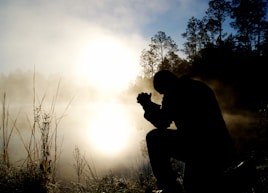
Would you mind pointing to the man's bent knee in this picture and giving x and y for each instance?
(153, 135)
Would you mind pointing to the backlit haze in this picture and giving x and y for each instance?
(94, 47)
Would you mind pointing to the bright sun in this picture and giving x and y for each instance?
(109, 131)
(108, 63)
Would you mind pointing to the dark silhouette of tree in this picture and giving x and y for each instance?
(148, 62)
(163, 45)
(191, 35)
(196, 37)
(216, 62)
(175, 64)
(161, 54)
(264, 44)
(216, 14)
(238, 59)
(249, 21)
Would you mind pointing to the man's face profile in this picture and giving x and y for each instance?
(163, 80)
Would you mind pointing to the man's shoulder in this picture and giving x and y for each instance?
(193, 81)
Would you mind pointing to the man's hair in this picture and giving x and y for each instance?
(163, 79)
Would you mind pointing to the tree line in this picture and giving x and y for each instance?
(235, 54)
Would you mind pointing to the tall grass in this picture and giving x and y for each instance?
(37, 172)
(42, 150)
(6, 132)
(14, 178)
(140, 179)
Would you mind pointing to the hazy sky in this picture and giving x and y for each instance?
(91, 41)
(95, 42)
(68, 36)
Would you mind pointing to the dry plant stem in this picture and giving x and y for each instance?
(79, 163)
(6, 131)
(92, 172)
(4, 126)
(47, 123)
(26, 147)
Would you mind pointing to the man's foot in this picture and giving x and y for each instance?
(150, 190)
(154, 191)
(177, 189)
(163, 191)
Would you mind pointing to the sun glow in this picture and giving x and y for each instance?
(109, 131)
(108, 63)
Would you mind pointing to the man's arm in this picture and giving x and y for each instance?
(153, 112)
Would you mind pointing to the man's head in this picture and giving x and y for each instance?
(164, 80)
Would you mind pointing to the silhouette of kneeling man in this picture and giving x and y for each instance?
(201, 139)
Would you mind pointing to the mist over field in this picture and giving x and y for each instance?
(94, 120)
(80, 108)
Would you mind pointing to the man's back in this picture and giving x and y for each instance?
(194, 109)
(201, 140)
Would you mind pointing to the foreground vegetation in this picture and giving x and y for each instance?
(32, 179)
(38, 171)
(238, 60)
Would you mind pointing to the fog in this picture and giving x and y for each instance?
(107, 126)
